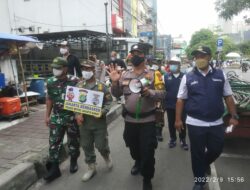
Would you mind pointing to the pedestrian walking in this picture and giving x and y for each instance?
(202, 92)
(172, 83)
(93, 130)
(159, 85)
(139, 135)
(59, 120)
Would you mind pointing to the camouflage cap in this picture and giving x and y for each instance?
(88, 63)
(59, 62)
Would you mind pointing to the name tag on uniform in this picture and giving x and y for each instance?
(216, 80)
(194, 82)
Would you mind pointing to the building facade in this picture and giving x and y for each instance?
(45, 16)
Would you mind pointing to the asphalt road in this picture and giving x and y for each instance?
(173, 166)
(233, 166)
(173, 169)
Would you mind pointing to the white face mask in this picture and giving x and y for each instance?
(63, 51)
(112, 58)
(57, 72)
(87, 74)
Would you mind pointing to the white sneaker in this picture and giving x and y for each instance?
(109, 162)
(90, 173)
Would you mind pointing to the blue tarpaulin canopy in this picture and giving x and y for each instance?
(16, 38)
(7, 41)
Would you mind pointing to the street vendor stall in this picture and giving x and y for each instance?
(11, 45)
(241, 94)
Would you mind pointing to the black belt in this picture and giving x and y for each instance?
(134, 115)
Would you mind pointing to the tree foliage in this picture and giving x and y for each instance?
(245, 48)
(205, 37)
(229, 8)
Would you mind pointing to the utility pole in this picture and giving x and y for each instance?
(107, 33)
(154, 33)
(154, 15)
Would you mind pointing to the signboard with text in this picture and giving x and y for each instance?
(219, 44)
(83, 101)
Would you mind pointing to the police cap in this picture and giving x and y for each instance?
(138, 47)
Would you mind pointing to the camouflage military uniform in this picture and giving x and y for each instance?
(61, 120)
(94, 130)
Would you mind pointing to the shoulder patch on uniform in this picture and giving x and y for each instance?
(100, 86)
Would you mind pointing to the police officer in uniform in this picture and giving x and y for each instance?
(202, 92)
(93, 130)
(159, 85)
(139, 112)
(59, 120)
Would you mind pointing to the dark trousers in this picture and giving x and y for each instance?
(141, 141)
(206, 146)
(171, 127)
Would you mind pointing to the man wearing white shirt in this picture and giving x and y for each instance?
(202, 92)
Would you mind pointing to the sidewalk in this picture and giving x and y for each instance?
(24, 149)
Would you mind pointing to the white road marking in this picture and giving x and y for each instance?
(213, 184)
(225, 155)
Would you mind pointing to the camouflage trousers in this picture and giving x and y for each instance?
(56, 136)
(91, 138)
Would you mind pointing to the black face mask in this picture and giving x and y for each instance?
(137, 60)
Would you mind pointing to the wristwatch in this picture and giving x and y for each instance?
(235, 116)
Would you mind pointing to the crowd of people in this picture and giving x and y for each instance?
(193, 102)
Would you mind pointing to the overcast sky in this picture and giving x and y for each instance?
(184, 17)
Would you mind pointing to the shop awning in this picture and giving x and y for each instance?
(15, 38)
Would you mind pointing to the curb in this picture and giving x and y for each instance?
(22, 176)
(18, 178)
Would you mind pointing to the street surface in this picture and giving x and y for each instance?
(234, 164)
(173, 166)
(173, 169)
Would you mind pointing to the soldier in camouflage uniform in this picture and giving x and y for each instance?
(93, 130)
(59, 120)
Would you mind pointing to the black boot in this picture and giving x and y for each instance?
(73, 165)
(53, 172)
(48, 165)
(159, 134)
(136, 168)
(147, 185)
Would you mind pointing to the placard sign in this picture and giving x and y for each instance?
(84, 101)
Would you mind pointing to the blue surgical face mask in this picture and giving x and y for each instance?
(173, 68)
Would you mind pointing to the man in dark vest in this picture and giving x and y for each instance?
(202, 92)
(172, 83)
